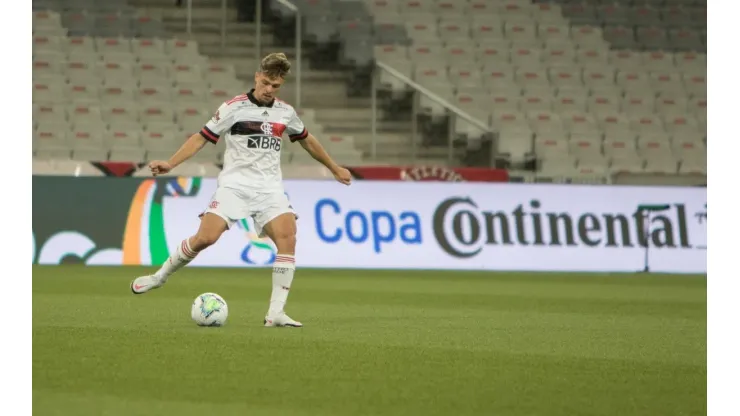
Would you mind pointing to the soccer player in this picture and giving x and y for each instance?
(250, 183)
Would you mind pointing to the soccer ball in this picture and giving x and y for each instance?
(209, 309)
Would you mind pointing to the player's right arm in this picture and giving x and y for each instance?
(220, 123)
(188, 149)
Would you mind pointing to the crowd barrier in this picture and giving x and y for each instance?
(381, 224)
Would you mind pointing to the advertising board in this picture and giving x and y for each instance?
(379, 224)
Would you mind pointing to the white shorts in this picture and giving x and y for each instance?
(233, 205)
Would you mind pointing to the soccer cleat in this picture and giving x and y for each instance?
(144, 284)
(281, 320)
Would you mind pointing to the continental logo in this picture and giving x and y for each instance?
(463, 229)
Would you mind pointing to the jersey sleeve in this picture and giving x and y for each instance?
(295, 128)
(219, 124)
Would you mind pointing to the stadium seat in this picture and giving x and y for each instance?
(559, 54)
(534, 102)
(600, 103)
(545, 122)
(551, 144)
(482, 8)
(50, 141)
(558, 165)
(631, 164)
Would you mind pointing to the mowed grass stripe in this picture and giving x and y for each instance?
(645, 338)
(101, 350)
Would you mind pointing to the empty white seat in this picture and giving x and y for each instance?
(51, 113)
(526, 58)
(179, 48)
(565, 76)
(548, 145)
(511, 121)
(592, 163)
(585, 145)
(532, 102)
(588, 36)
(620, 146)
(599, 104)
(658, 60)
(663, 163)
(580, 123)
(515, 143)
(636, 104)
(558, 165)
(632, 164)
(545, 122)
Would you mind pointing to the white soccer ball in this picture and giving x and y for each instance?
(209, 309)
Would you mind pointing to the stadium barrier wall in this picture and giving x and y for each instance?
(380, 224)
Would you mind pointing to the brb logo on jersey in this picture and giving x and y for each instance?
(268, 141)
(264, 142)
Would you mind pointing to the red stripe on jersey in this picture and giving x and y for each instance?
(208, 135)
(237, 99)
(300, 136)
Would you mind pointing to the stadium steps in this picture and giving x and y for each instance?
(396, 148)
(358, 120)
(394, 137)
(325, 91)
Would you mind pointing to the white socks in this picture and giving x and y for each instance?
(182, 256)
(282, 273)
(282, 277)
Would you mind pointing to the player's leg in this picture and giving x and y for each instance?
(282, 231)
(210, 229)
(221, 214)
(281, 228)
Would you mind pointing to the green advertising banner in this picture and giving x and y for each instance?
(78, 219)
(114, 221)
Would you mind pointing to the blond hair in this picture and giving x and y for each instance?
(275, 65)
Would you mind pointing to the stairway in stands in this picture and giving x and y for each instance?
(323, 90)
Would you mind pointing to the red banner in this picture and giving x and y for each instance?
(429, 173)
(117, 168)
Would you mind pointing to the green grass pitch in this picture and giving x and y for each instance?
(374, 343)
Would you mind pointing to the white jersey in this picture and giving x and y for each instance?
(253, 132)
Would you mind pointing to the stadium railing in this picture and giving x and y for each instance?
(418, 90)
(298, 42)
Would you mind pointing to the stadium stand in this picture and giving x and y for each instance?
(579, 87)
(569, 87)
(109, 84)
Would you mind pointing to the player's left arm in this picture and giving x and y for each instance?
(317, 151)
(297, 133)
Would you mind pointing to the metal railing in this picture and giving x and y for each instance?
(298, 43)
(453, 111)
(297, 73)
